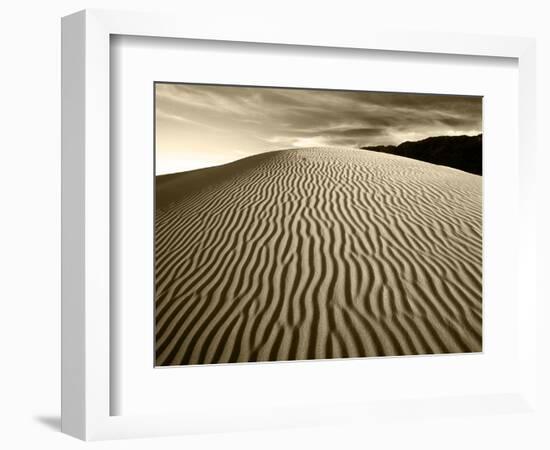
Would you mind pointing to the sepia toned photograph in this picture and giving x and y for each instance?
(309, 224)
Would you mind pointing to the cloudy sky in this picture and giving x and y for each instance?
(204, 125)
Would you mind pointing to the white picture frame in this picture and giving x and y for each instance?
(86, 177)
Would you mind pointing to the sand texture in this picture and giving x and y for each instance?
(317, 253)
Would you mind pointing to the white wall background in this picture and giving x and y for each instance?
(30, 189)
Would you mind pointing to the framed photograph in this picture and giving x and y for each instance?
(267, 229)
(286, 227)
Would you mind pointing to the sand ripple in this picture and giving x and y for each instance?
(317, 253)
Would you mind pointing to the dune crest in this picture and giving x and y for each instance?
(317, 253)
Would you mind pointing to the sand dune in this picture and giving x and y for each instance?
(317, 253)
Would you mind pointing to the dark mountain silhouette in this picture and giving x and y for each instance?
(460, 152)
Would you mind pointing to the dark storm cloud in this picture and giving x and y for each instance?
(249, 120)
(358, 132)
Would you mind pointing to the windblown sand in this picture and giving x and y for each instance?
(317, 253)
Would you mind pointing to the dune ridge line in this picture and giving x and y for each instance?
(317, 253)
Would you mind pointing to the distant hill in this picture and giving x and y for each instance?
(460, 152)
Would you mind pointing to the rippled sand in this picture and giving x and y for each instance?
(317, 253)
